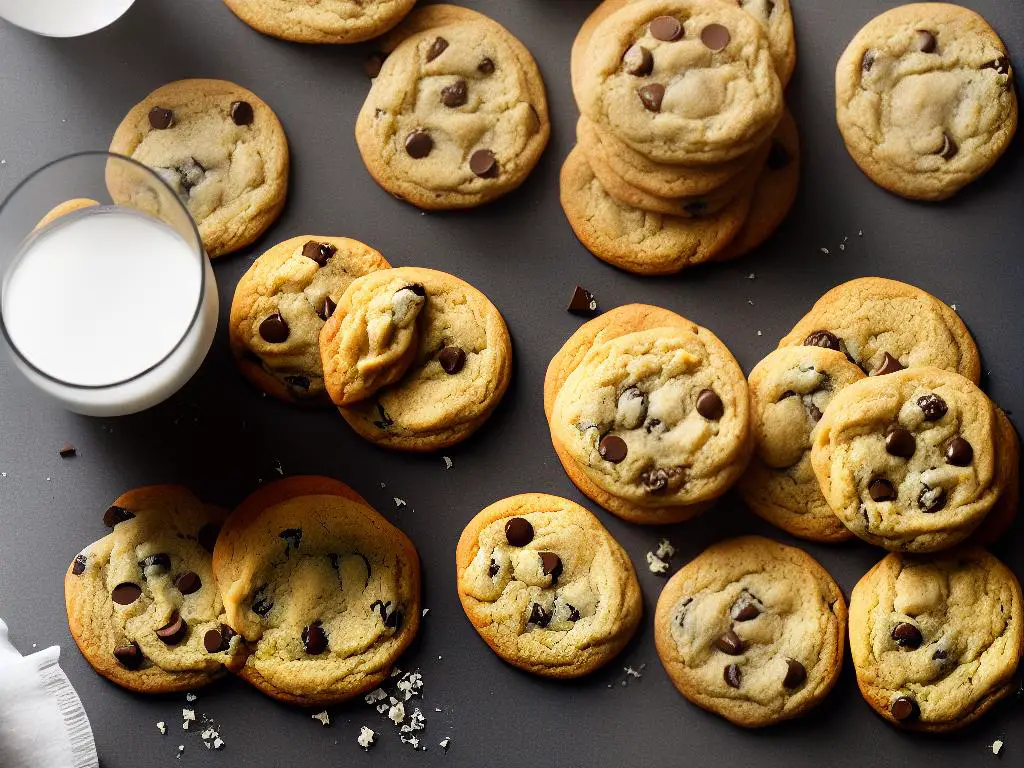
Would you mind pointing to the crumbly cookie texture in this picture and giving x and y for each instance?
(925, 99)
(220, 148)
(752, 630)
(936, 641)
(142, 600)
(914, 460)
(546, 585)
(325, 590)
(682, 81)
(459, 373)
(457, 115)
(321, 21)
(789, 391)
(649, 414)
(281, 304)
(885, 325)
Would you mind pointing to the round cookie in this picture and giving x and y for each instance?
(885, 325)
(682, 81)
(649, 414)
(325, 590)
(546, 585)
(789, 391)
(914, 460)
(281, 304)
(925, 99)
(461, 368)
(220, 148)
(752, 630)
(142, 600)
(936, 641)
(636, 240)
(321, 21)
(478, 122)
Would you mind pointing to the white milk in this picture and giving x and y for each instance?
(63, 18)
(103, 295)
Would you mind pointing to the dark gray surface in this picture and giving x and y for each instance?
(220, 437)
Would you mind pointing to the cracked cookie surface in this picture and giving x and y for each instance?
(321, 21)
(142, 600)
(546, 585)
(281, 304)
(752, 630)
(936, 641)
(324, 590)
(925, 99)
(220, 148)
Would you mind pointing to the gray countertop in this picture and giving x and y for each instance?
(221, 438)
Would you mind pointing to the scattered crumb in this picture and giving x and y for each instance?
(181, 748)
(665, 549)
(395, 672)
(278, 467)
(953, 307)
(411, 685)
(425, 612)
(67, 451)
(656, 565)
(382, 485)
(3, 474)
(218, 743)
(323, 718)
(445, 743)
(162, 727)
(438, 709)
(842, 246)
(366, 737)
(636, 674)
(397, 713)
(188, 714)
(760, 334)
(750, 302)
(997, 747)
(374, 696)
(825, 251)
(417, 722)
(751, 276)
(190, 697)
(447, 462)
(399, 503)
(860, 233)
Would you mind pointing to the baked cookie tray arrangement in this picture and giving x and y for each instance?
(595, 383)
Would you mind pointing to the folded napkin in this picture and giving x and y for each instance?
(42, 721)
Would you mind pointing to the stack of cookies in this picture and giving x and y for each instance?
(685, 152)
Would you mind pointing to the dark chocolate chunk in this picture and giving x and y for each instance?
(319, 252)
(745, 608)
(582, 302)
(492, 569)
(825, 339)
(483, 163)
(314, 639)
(907, 635)
(666, 28)
(129, 656)
(261, 605)
(518, 532)
(959, 452)
(904, 708)
(274, 329)
(551, 565)
(67, 451)
(115, 515)
(796, 674)
(174, 631)
(638, 61)
(78, 566)
(889, 364)
(732, 676)
(715, 36)
(710, 405)
(188, 582)
(539, 616)
(456, 94)
(899, 442)
(452, 359)
(1001, 65)
(932, 499)
(486, 66)
(418, 144)
(160, 563)
(439, 46)
(868, 61)
(730, 643)
(241, 113)
(161, 119)
(292, 538)
(949, 147)
(651, 96)
(926, 42)
(574, 614)
(881, 489)
(613, 448)
(327, 309)
(933, 406)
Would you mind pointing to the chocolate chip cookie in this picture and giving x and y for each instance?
(220, 148)
(885, 325)
(476, 124)
(914, 460)
(459, 371)
(281, 304)
(936, 641)
(925, 99)
(752, 630)
(546, 585)
(649, 414)
(789, 391)
(324, 590)
(321, 21)
(142, 601)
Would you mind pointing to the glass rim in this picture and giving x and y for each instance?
(201, 252)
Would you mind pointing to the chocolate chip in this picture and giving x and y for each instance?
(456, 94)
(161, 119)
(907, 635)
(959, 452)
(318, 252)
(188, 582)
(486, 66)
(213, 641)
(492, 569)
(78, 565)
(314, 639)
(551, 565)
(796, 674)
(274, 329)
(208, 536)
(418, 144)
(373, 63)
(582, 302)
(518, 532)
(385, 421)
(292, 538)
(300, 383)
(814, 412)
(730, 643)
(778, 156)
(933, 406)
(745, 608)
(638, 61)
(825, 339)
(1001, 65)
(574, 614)
(327, 309)
(904, 708)
(715, 36)
(652, 96)
(439, 46)
(612, 448)
(732, 676)
(666, 28)
(115, 515)
(899, 442)
(709, 405)
(261, 605)
(483, 163)
(394, 620)
(868, 61)
(940, 655)
(129, 656)
(949, 147)
(926, 42)
(67, 451)
(655, 480)
(190, 173)
(539, 616)
(160, 563)
(452, 359)
(888, 365)
(241, 113)
(881, 489)
(173, 632)
(931, 499)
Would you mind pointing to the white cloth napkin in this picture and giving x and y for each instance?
(42, 721)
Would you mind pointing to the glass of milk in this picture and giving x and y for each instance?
(108, 302)
(63, 18)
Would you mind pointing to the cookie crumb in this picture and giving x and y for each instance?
(366, 737)
(425, 612)
(397, 713)
(445, 743)
(374, 696)
(324, 719)
(860, 233)
(760, 334)
(656, 565)
(278, 467)
(447, 462)
(181, 748)
(825, 251)
(997, 746)
(190, 697)
(162, 727)
(399, 503)
(751, 276)
(636, 674)
(665, 549)
(218, 743)
(188, 715)
(67, 451)
(953, 307)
